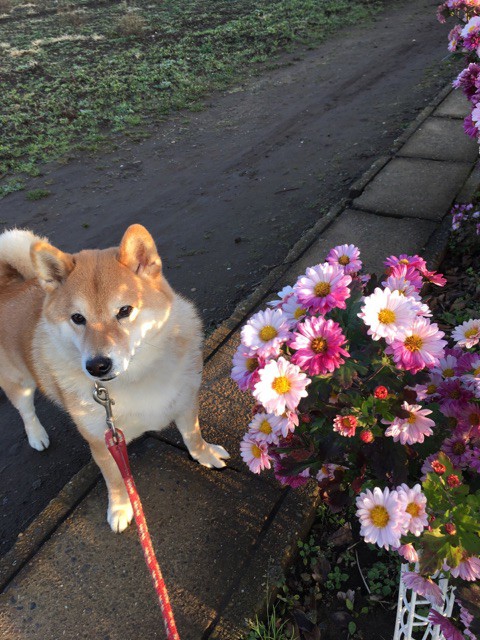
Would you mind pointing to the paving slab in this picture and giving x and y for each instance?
(87, 582)
(413, 187)
(455, 105)
(376, 236)
(441, 139)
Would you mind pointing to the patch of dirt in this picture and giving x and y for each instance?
(227, 192)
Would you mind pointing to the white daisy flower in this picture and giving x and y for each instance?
(446, 367)
(385, 312)
(381, 517)
(266, 427)
(467, 334)
(293, 310)
(265, 332)
(283, 296)
(281, 386)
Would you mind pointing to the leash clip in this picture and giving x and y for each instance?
(101, 395)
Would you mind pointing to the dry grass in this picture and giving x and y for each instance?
(68, 16)
(131, 24)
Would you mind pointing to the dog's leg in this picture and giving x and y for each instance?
(210, 455)
(21, 396)
(120, 512)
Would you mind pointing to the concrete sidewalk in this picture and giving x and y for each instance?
(218, 535)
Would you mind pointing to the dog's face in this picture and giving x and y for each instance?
(104, 303)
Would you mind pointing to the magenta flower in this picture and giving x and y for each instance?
(453, 396)
(288, 480)
(347, 256)
(323, 287)
(474, 461)
(467, 79)
(470, 127)
(318, 343)
(449, 630)
(246, 365)
(281, 386)
(418, 346)
(458, 450)
(412, 429)
(468, 569)
(425, 587)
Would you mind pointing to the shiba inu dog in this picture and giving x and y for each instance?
(109, 315)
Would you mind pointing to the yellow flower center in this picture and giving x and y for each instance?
(459, 448)
(431, 389)
(319, 345)
(448, 373)
(281, 385)
(413, 509)
(256, 451)
(379, 516)
(411, 418)
(251, 364)
(386, 316)
(477, 372)
(344, 260)
(265, 427)
(404, 261)
(322, 289)
(474, 419)
(299, 312)
(471, 332)
(268, 333)
(413, 343)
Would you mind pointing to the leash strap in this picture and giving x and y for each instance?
(115, 442)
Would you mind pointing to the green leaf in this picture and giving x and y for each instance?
(352, 627)
(349, 604)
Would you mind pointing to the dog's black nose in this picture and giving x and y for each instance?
(99, 366)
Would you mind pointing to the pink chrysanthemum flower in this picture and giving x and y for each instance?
(381, 517)
(454, 38)
(453, 396)
(429, 390)
(347, 256)
(446, 367)
(469, 125)
(413, 502)
(386, 312)
(403, 259)
(433, 277)
(328, 471)
(467, 79)
(412, 429)
(408, 552)
(319, 346)
(412, 274)
(281, 386)
(287, 480)
(345, 425)
(323, 287)
(458, 450)
(418, 346)
(246, 365)
(425, 587)
(293, 310)
(402, 285)
(283, 296)
(471, 34)
(265, 332)
(268, 428)
(255, 454)
(469, 418)
(467, 334)
(468, 569)
(468, 367)
(448, 629)
(474, 462)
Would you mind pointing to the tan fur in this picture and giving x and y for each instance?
(155, 352)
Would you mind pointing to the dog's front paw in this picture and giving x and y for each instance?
(38, 438)
(212, 455)
(119, 516)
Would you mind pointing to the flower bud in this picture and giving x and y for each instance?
(438, 467)
(366, 436)
(453, 480)
(380, 392)
(450, 528)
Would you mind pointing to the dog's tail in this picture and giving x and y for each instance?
(15, 262)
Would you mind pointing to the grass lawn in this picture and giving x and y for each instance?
(73, 73)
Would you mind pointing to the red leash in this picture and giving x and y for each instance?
(115, 441)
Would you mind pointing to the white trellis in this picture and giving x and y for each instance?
(408, 620)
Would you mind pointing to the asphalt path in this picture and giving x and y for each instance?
(226, 192)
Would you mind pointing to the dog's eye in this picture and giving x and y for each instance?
(77, 318)
(124, 312)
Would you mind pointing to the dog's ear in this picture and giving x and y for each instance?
(138, 252)
(51, 265)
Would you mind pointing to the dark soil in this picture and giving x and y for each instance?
(226, 192)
